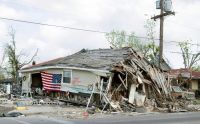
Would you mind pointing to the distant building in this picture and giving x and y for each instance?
(6, 85)
(188, 78)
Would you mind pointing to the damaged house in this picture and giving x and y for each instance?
(187, 79)
(113, 77)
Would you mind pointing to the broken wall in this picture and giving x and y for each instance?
(135, 80)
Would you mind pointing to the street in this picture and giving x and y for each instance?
(173, 118)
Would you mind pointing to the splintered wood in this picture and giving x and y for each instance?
(135, 80)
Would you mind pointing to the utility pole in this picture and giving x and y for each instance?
(164, 11)
(161, 33)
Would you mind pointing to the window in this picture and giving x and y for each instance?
(67, 77)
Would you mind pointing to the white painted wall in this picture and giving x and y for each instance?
(79, 78)
(194, 84)
(83, 77)
(26, 84)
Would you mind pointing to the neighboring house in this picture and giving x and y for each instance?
(10, 87)
(6, 85)
(188, 78)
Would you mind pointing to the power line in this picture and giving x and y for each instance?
(81, 29)
(65, 27)
(52, 25)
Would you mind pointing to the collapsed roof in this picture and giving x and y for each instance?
(99, 59)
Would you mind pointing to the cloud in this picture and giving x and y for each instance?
(45, 4)
(102, 15)
(71, 39)
(44, 51)
(3, 31)
(3, 38)
(8, 12)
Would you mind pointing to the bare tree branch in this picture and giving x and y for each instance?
(26, 63)
(14, 59)
(189, 60)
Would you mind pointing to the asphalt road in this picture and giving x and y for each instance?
(174, 118)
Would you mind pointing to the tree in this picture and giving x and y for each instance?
(119, 39)
(196, 68)
(152, 49)
(2, 76)
(189, 59)
(14, 63)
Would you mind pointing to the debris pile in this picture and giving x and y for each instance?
(134, 83)
(23, 101)
(47, 101)
(2, 91)
(16, 89)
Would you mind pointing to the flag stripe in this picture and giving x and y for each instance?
(51, 82)
(47, 80)
(47, 85)
(52, 89)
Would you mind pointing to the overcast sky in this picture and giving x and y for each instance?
(102, 15)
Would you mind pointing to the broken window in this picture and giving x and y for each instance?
(67, 77)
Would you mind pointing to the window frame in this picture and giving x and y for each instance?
(64, 75)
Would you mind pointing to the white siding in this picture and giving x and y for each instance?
(83, 77)
(79, 79)
(194, 85)
(26, 84)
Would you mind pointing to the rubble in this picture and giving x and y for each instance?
(47, 101)
(2, 91)
(3, 100)
(91, 110)
(177, 92)
(16, 89)
(194, 107)
(137, 81)
(136, 85)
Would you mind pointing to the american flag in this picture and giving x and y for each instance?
(51, 81)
